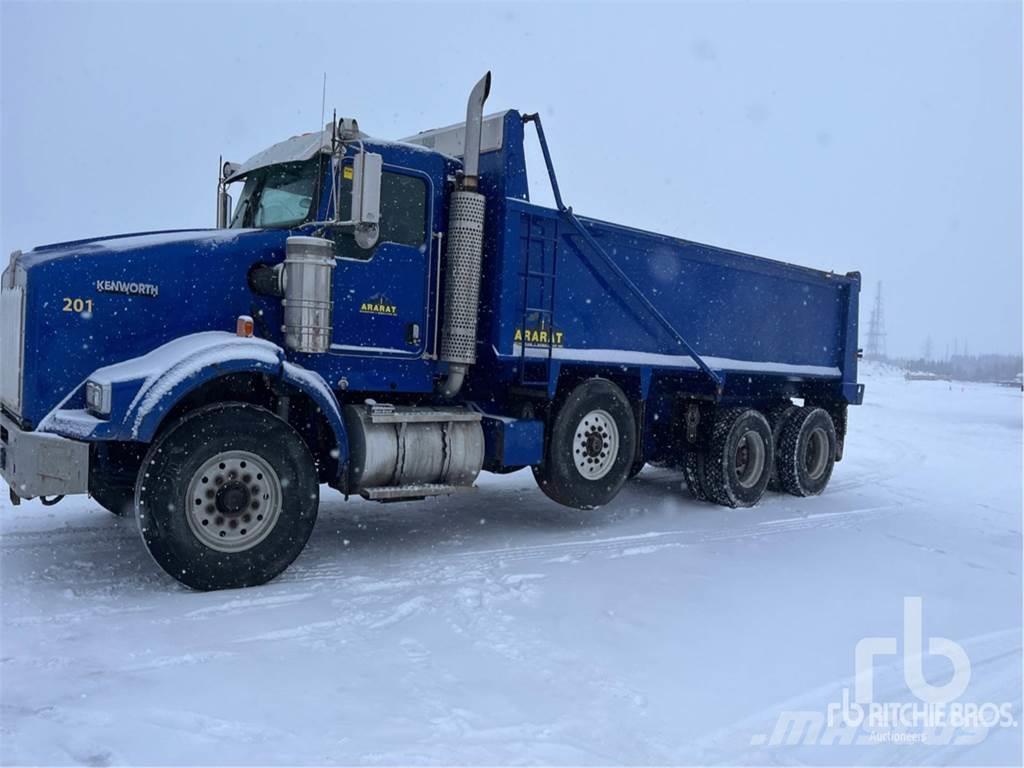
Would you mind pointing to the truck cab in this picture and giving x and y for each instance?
(382, 337)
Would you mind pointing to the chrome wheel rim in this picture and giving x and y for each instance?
(816, 458)
(234, 500)
(750, 459)
(595, 445)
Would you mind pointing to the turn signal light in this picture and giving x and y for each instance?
(243, 326)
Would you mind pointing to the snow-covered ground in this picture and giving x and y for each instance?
(499, 628)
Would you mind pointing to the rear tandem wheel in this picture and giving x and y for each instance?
(733, 467)
(807, 452)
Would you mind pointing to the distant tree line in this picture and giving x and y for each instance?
(992, 367)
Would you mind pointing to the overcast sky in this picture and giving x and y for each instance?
(883, 137)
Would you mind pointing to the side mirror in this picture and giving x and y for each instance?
(366, 174)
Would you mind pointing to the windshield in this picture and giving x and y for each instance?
(277, 196)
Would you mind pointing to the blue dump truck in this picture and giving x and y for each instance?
(390, 318)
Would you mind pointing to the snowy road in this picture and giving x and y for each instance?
(498, 628)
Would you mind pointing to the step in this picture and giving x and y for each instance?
(414, 491)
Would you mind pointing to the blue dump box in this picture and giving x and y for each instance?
(740, 313)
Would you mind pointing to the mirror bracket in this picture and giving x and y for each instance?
(367, 170)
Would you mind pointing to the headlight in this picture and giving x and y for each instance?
(97, 398)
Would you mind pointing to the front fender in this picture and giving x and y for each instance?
(145, 389)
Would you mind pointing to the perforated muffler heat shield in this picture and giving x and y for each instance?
(463, 258)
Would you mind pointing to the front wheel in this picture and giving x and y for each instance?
(591, 447)
(118, 499)
(227, 497)
(113, 470)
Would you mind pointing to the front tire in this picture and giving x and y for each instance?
(113, 470)
(227, 497)
(116, 498)
(591, 447)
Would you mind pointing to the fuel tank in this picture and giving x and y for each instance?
(392, 446)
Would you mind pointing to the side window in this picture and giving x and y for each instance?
(403, 207)
(403, 214)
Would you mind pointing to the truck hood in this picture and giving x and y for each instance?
(93, 303)
(207, 238)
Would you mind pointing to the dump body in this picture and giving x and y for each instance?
(550, 297)
(552, 300)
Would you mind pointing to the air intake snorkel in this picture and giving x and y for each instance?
(464, 253)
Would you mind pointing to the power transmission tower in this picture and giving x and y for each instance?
(875, 348)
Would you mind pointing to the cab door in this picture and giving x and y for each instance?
(380, 293)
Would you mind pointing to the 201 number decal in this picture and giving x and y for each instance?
(77, 305)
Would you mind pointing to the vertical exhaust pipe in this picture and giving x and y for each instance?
(474, 128)
(464, 253)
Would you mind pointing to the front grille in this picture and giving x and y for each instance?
(12, 335)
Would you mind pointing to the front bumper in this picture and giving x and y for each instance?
(41, 464)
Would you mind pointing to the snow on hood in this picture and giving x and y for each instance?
(167, 366)
(185, 352)
(207, 238)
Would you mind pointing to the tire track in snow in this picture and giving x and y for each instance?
(334, 565)
(613, 546)
(117, 563)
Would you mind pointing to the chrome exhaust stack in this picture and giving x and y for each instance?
(474, 128)
(464, 253)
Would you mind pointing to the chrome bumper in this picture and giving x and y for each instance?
(41, 464)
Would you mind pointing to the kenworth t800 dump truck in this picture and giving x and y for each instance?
(390, 318)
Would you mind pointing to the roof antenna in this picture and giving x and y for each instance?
(323, 101)
(335, 166)
(320, 161)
